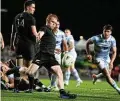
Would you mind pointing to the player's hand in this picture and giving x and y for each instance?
(8, 85)
(89, 57)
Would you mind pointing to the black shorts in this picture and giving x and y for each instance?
(26, 49)
(45, 59)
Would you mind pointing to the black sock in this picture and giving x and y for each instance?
(13, 70)
(49, 74)
(62, 91)
(16, 83)
(31, 81)
(16, 80)
(38, 83)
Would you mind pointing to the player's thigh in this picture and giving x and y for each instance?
(101, 63)
(58, 57)
(29, 52)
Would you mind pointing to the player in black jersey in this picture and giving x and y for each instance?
(45, 57)
(23, 38)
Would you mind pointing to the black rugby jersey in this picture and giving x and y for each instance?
(22, 26)
(48, 41)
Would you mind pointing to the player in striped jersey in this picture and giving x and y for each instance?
(71, 50)
(103, 44)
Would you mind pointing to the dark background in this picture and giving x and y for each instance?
(83, 17)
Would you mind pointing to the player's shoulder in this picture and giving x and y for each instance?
(97, 36)
(44, 28)
(18, 15)
(112, 38)
(70, 37)
(61, 32)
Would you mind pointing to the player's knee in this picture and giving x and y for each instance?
(32, 69)
(59, 72)
(30, 72)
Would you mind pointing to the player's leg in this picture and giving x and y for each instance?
(67, 76)
(102, 65)
(63, 93)
(30, 77)
(110, 80)
(19, 63)
(39, 86)
(76, 75)
(96, 77)
(29, 53)
(53, 76)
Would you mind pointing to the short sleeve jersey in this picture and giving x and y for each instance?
(60, 36)
(102, 46)
(23, 23)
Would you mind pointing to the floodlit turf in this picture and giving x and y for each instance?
(86, 92)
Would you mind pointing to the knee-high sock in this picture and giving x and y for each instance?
(38, 83)
(67, 76)
(31, 81)
(114, 85)
(75, 74)
(99, 75)
(53, 80)
(16, 80)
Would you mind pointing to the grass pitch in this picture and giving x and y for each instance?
(86, 92)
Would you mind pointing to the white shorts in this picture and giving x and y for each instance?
(58, 57)
(102, 63)
(74, 54)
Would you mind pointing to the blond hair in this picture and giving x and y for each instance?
(50, 16)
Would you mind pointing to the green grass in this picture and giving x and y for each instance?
(87, 92)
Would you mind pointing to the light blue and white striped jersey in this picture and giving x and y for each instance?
(102, 46)
(59, 36)
(69, 39)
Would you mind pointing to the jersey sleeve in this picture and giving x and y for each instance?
(71, 39)
(32, 21)
(42, 29)
(93, 39)
(63, 36)
(113, 42)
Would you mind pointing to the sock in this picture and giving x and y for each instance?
(16, 83)
(62, 91)
(53, 80)
(31, 81)
(114, 85)
(13, 70)
(99, 75)
(17, 78)
(49, 74)
(38, 83)
(75, 74)
(67, 76)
